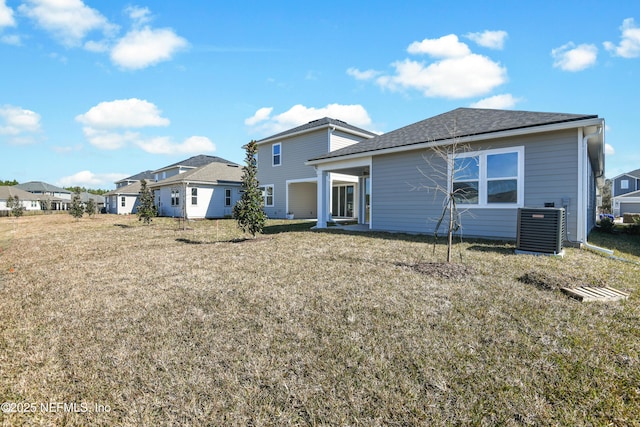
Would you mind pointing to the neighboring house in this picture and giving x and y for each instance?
(625, 194)
(289, 186)
(208, 191)
(515, 159)
(59, 198)
(98, 200)
(30, 201)
(123, 200)
(148, 175)
(186, 165)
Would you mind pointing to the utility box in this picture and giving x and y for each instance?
(540, 231)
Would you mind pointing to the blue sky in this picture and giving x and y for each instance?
(94, 91)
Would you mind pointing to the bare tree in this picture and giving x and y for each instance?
(450, 174)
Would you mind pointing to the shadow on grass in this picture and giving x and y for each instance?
(288, 228)
(495, 248)
(123, 225)
(200, 242)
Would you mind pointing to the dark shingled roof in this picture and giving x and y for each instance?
(325, 121)
(461, 122)
(635, 173)
(140, 176)
(197, 161)
(41, 187)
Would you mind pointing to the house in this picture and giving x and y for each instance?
(30, 201)
(186, 165)
(625, 193)
(148, 175)
(513, 159)
(124, 199)
(57, 198)
(290, 185)
(208, 191)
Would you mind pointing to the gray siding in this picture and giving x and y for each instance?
(340, 140)
(629, 208)
(295, 151)
(591, 200)
(550, 175)
(634, 185)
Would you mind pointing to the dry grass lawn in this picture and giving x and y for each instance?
(160, 326)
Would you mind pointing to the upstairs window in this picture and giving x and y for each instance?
(624, 184)
(276, 154)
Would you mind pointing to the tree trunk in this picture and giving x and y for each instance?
(450, 234)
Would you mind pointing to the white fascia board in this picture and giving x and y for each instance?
(343, 163)
(464, 140)
(314, 129)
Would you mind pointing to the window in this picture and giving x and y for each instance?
(267, 193)
(624, 184)
(175, 197)
(227, 197)
(123, 201)
(194, 196)
(276, 154)
(491, 178)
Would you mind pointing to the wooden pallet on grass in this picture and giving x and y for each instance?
(593, 293)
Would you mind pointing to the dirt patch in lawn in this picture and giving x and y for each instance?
(442, 270)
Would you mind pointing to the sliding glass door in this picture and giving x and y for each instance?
(342, 199)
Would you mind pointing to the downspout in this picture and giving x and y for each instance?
(585, 157)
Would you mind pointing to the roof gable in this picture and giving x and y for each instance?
(458, 123)
(211, 173)
(148, 174)
(324, 122)
(632, 174)
(197, 161)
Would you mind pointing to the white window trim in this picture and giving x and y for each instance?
(273, 149)
(624, 184)
(230, 197)
(482, 177)
(196, 196)
(264, 195)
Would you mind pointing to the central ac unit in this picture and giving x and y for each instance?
(540, 231)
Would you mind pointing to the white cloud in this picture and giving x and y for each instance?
(498, 102)
(609, 150)
(460, 77)
(12, 39)
(164, 145)
(456, 72)
(145, 47)
(489, 39)
(6, 15)
(362, 75)
(297, 115)
(444, 47)
(109, 140)
(629, 46)
(123, 113)
(261, 115)
(89, 179)
(18, 124)
(570, 57)
(139, 15)
(68, 20)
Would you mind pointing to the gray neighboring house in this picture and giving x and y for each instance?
(625, 193)
(290, 186)
(59, 198)
(208, 191)
(521, 158)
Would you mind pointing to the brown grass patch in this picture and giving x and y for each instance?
(303, 328)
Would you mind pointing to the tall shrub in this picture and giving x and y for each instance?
(248, 210)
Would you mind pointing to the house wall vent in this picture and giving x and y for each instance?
(540, 231)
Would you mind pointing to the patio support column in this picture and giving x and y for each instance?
(323, 198)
